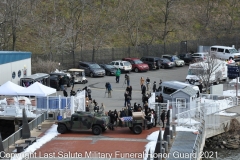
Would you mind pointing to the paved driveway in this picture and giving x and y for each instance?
(97, 85)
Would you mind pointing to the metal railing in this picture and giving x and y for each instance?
(198, 144)
(18, 134)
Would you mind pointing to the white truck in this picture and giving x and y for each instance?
(214, 70)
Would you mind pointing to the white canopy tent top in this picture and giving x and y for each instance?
(9, 89)
(37, 89)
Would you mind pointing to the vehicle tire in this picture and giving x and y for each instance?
(91, 74)
(96, 130)
(61, 128)
(163, 67)
(108, 73)
(131, 128)
(136, 70)
(137, 129)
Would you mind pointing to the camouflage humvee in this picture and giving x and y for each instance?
(83, 121)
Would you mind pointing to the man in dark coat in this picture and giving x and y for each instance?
(61, 83)
(163, 115)
(143, 89)
(154, 86)
(160, 98)
(168, 117)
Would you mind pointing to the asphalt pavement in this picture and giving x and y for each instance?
(97, 85)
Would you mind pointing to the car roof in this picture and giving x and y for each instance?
(131, 59)
(150, 57)
(226, 47)
(87, 62)
(76, 70)
(58, 73)
(174, 84)
(168, 55)
(120, 61)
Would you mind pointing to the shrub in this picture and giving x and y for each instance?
(44, 66)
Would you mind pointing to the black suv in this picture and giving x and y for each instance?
(153, 62)
(54, 80)
(187, 57)
(92, 69)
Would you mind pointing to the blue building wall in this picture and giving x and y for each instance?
(13, 56)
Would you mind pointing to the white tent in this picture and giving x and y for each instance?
(37, 89)
(10, 88)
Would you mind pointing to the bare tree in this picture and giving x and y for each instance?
(208, 72)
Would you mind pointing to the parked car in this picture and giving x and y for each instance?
(153, 62)
(178, 62)
(137, 64)
(109, 69)
(92, 69)
(166, 63)
(54, 80)
(186, 57)
(200, 56)
(124, 66)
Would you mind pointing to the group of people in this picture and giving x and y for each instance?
(146, 87)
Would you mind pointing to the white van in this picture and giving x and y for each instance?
(169, 87)
(225, 53)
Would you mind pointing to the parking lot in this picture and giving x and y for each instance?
(97, 85)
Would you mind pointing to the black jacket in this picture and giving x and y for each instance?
(163, 116)
(65, 93)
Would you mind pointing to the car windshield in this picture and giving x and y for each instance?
(196, 55)
(137, 61)
(195, 71)
(166, 60)
(175, 58)
(110, 66)
(233, 51)
(94, 66)
(127, 64)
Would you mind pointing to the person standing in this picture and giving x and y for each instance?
(65, 92)
(143, 89)
(127, 79)
(102, 109)
(148, 83)
(109, 88)
(130, 91)
(154, 86)
(127, 99)
(117, 74)
(72, 80)
(160, 98)
(142, 81)
(163, 115)
(160, 86)
(61, 83)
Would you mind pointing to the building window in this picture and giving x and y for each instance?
(13, 75)
(19, 73)
(181, 103)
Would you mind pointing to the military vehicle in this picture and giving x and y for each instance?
(136, 123)
(84, 121)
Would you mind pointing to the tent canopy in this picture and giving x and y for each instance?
(9, 89)
(37, 89)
